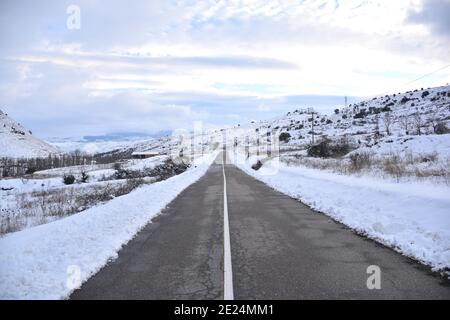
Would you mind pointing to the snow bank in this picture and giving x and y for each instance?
(37, 262)
(414, 219)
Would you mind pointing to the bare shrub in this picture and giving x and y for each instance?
(10, 221)
(409, 158)
(441, 128)
(430, 157)
(69, 179)
(327, 149)
(405, 122)
(394, 166)
(360, 160)
(84, 177)
(44, 205)
(418, 122)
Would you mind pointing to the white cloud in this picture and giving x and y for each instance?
(215, 61)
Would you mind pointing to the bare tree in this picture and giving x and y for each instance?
(418, 122)
(404, 122)
(377, 133)
(433, 118)
(388, 119)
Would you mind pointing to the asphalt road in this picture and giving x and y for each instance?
(280, 249)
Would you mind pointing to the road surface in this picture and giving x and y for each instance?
(280, 249)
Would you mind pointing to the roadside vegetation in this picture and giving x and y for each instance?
(393, 165)
(76, 193)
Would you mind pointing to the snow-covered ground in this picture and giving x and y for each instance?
(93, 147)
(416, 145)
(40, 262)
(96, 171)
(42, 198)
(161, 145)
(143, 164)
(412, 218)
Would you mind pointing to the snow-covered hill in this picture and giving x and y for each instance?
(18, 142)
(415, 121)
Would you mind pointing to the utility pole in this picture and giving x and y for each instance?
(346, 101)
(247, 147)
(235, 145)
(312, 125)
(193, 145)
(202, 143)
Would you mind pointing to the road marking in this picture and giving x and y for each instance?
(227, 268)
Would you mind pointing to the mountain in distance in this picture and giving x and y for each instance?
(126, 136)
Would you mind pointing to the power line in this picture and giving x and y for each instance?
(428, 74)
(421, 77)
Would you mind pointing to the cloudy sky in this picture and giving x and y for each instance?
(147, 66)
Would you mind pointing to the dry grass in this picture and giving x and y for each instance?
(392, 165)
(42, 206)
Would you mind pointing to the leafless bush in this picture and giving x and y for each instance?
(393, 165)
(46, 205)
(441, 128)
(10, 221)
(42, 206)
(315, 163)
(360, 160)
(418, 122)
(429, 157)
(405, 122)
(327, 148)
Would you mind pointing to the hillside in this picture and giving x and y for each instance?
(414, 121)
(18, 142)
(411, 122)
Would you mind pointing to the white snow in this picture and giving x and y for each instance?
(18, 142)
(159, 145)
(149, 163)
(36, 263)
(95, 146)
(412, 218)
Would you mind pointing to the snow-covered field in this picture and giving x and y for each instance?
(95, 146)
(416, 145)
(412, 218)
(161, 145)
(40, 262)
(44, 197)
